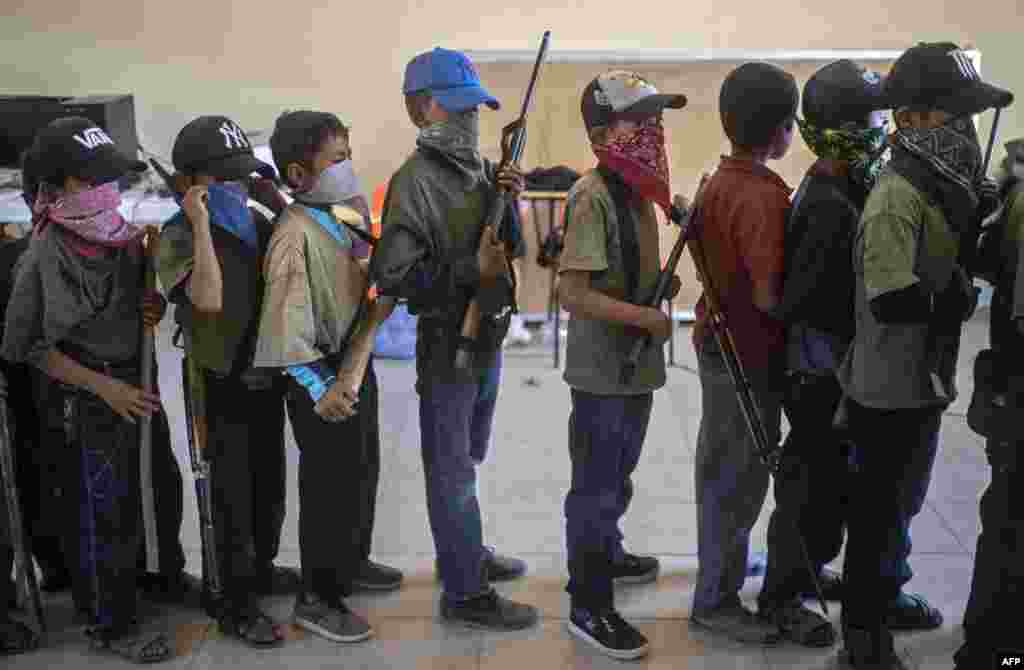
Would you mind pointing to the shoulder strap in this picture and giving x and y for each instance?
(621, 195)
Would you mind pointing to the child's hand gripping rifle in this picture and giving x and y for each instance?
(513, 141)
(685, 221)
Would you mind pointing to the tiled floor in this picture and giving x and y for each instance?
(522, 485)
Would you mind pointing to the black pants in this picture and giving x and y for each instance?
(59, 466)
(894, 454)
(339, 467)
(990, 622)
(810, 490)
(245, 428)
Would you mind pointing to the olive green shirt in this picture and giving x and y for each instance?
(902, 239)
(1012, 242)
(596, 350)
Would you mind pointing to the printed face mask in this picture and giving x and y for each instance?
(641, 160)
(335, 185)
(91, 214)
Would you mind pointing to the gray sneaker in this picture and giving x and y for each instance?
(489, 611)
(333, 621)
(735, 621)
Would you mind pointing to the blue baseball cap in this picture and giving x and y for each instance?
(450, 77)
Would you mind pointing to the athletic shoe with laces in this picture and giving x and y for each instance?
(332, 620)
(376, 577)
(608, 632)
(489, 611)
(633, 569)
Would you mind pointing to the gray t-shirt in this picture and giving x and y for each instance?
(63, 297)
(596, 350)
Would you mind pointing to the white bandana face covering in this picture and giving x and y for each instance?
(335, 185)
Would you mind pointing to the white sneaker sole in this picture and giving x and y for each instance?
(621, 654)
(328, 635)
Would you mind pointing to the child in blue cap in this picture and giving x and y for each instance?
(435, 253)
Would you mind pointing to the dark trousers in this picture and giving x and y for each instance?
(990, 622)
(895, 452)
(606, 436)
(455, 431)
(811, 490)
(339, 465)
(109, 510)
(245, 430)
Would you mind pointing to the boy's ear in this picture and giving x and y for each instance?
(295, 174)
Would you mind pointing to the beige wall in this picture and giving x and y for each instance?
(252, 60)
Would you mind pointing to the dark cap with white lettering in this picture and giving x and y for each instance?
(218, 147)
(74, 146)
(941, 76)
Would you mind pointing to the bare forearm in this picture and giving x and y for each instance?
(206, 285)
(65, 369)
(586, 303)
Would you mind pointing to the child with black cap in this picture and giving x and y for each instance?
(316, 324)
(744, 212)
(209, 263)
(434, 252)
(609, 263)
(844, 128)
(76, 312)
(907, 260)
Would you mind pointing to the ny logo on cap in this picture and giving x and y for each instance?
(234, 138)
(92, 138)
(965, 65)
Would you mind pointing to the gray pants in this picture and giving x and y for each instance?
(731, 481)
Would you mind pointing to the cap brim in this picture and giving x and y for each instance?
(464, 98)
(238, 166)
(109, 165)
(975, 99)
(651, 105)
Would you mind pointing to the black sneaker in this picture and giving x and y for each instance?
(500, 568)
(636, 570)
(608, 632)
(376, 577)
(489, 611)
(497, 568)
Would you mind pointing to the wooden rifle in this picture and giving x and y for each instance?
(513, 141)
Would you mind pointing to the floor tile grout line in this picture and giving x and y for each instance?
(948, 526)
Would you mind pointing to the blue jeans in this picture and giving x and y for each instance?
(606, 436)
(455, 429)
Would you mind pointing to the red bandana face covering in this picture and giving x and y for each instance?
(641, 160)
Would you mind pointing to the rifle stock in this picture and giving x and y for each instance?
(195, 418)
(147, 353)
(23, 565)
(513, 141)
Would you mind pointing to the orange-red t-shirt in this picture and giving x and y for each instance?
(742, 227)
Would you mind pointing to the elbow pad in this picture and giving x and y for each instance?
(907, 305)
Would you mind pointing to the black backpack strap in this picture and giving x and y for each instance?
(622, 195)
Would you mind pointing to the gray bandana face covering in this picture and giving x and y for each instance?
(458, 139)
(335, 185)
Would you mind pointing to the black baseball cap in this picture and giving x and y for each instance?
(940, 75)
(620, 94)
(217, 146)
(75, 146)
(1015, 150)
(842, 92)
(755, 99)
